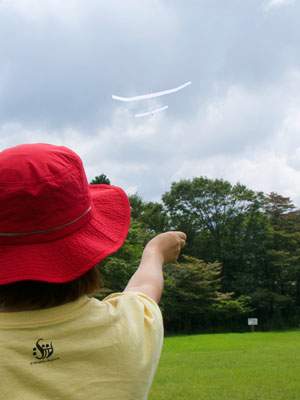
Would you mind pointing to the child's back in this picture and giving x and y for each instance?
(85, 349)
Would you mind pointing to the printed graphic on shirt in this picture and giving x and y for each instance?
(43, 352)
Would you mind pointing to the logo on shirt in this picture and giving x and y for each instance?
(42, 352)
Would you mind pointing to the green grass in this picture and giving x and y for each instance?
(247, 366)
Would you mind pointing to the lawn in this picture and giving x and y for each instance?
(247, 366)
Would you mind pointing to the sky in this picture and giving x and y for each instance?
(61, 62)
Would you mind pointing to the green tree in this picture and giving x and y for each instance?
(278, 293)
(136, 205)
(150, 214)
(223, 223)
(100, 179)
(277, 207)
(192, 299)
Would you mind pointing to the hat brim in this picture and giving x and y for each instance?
(69, 257)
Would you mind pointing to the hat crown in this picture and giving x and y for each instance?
(42, 186)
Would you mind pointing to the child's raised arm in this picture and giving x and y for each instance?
(162, 249)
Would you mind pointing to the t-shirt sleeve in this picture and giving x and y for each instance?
(151, 309)
(143, 320)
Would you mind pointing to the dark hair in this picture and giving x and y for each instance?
(44, 294)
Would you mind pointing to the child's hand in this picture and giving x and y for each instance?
(162, 249)
(167, 245)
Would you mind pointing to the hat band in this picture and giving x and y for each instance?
(46, 230)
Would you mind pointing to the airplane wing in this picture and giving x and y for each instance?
(151, 112)
(151, 95)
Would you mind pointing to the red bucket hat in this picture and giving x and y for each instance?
(54, 226)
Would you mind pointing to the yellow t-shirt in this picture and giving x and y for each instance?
(87, 349)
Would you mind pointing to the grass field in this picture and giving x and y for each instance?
(247, 366)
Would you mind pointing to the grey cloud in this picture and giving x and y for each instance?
(58, 72)
(62, 74)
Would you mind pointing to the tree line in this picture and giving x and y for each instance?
(242, 257)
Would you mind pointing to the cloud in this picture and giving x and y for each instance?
(235, 125)
(264, 171)
(253, 138)
(33, 10)
(60, 63)
(277, 3)
(237, 134)
(65, 59)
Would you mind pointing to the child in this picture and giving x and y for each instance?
(55, 342)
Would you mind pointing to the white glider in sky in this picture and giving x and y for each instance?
(151, 95)
(151, 112)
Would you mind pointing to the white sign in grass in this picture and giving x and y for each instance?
(252, 321)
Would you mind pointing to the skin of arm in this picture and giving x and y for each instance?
(162, 249)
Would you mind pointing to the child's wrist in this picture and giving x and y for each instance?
(153, 254)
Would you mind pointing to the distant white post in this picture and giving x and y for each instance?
(252, 322)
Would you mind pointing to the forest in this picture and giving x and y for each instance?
(242, 257)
